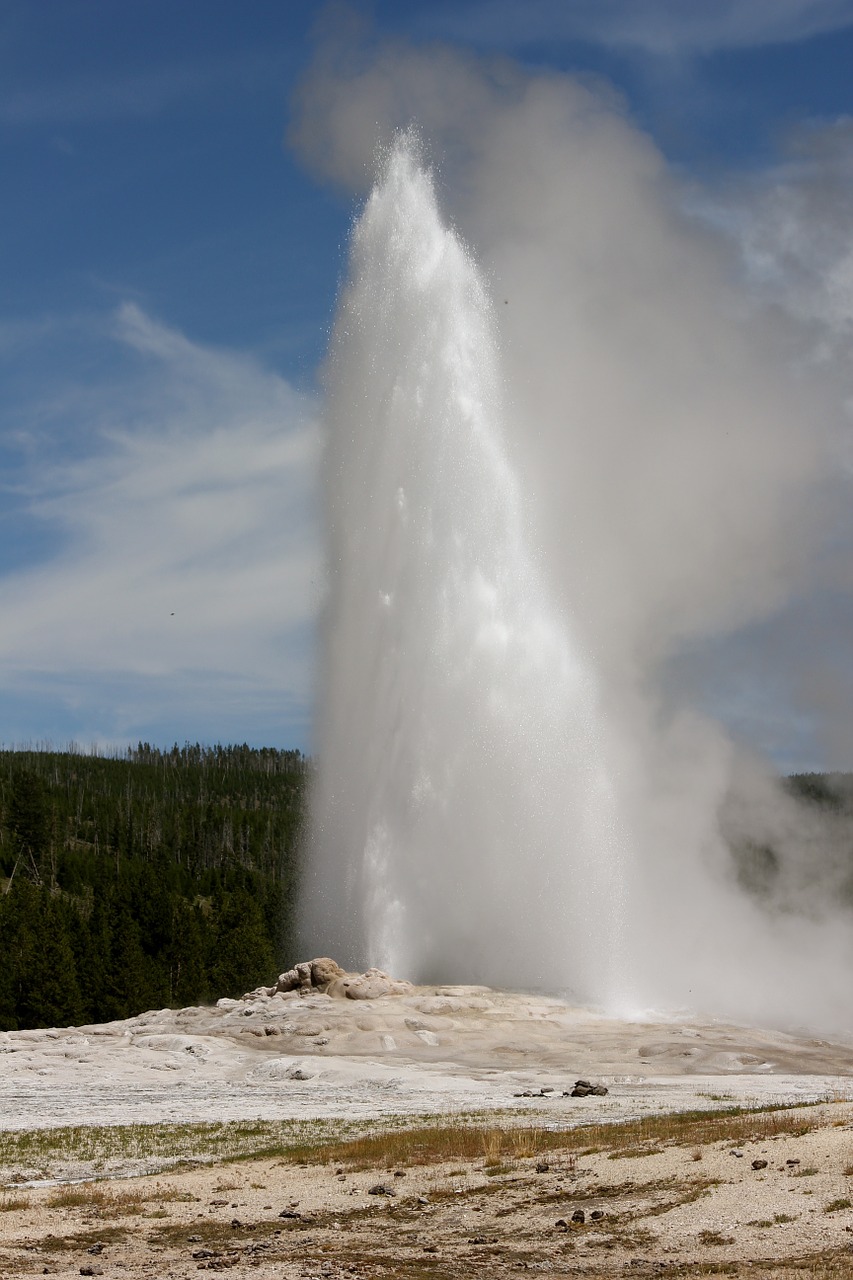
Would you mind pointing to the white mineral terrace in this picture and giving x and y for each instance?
(431, 1050)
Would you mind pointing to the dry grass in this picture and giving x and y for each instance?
(98, 1199)
(460, 1140)
(406, 1140)
(492, 1147)
(9, 1202)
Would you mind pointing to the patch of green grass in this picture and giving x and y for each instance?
(95, 1145)
(835, 1205)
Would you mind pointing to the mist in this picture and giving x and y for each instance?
(668, 443)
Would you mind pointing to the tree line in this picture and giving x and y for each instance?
(151, 879)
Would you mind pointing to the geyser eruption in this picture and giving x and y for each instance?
(518, 780)
(464, 825)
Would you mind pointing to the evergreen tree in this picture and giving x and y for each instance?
(243, 956)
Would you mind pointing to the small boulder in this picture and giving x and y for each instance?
(324, 970)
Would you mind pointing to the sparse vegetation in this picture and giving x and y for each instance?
(11, 1203)
(394, 1144)
(99, 1199)
(712, 1238)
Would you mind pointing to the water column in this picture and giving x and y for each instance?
(463, 822)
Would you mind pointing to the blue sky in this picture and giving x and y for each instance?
(169, 273)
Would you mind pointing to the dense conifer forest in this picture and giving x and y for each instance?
(157, 878)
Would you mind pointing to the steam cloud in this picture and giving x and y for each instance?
(667, 443)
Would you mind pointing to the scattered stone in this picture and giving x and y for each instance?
(759, 1164)
(791, 1163)
(430, 1248)
(289, 1213)
(91, 1271)
(561, 1224)
(739, 1154)
(381, 1190)
(585, 1089)
(399, 1173)
(97, 1248)
(423, 1200)
(193, 1239)
(198, 1254)
(218, 1204)
(235, 1223)
(578, 1216)
(596, 1215)
(542, 1166)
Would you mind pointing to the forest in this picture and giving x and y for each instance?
(153, 879)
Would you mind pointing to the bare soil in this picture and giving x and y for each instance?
(667, 1208)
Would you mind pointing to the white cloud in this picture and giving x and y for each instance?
(188, 566)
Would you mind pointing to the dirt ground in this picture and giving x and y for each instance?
(776, 1198)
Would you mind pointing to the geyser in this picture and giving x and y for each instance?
(528, 522)
(464, 825)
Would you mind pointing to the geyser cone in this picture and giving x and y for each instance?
(463, 827)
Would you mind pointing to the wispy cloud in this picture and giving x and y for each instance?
(659, 27)
(188, 561)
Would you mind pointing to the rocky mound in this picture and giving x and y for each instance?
(326, 977)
